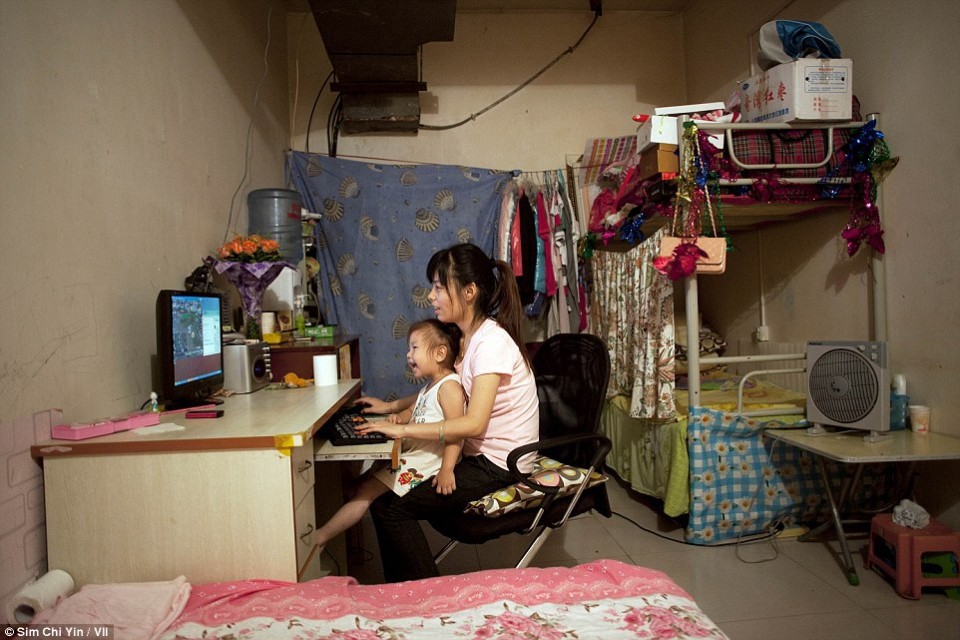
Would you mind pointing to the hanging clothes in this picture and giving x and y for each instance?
(508, 208)
(527, 224)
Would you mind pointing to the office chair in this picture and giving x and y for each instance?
(572, 372)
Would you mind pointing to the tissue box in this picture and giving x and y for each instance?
(808, 89)
(322, 331)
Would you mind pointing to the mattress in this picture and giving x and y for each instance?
(718, 390)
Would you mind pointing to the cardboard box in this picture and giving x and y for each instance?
(661, 158)
(808, 89)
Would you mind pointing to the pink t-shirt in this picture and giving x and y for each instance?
(515, 419)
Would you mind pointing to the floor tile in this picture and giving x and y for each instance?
(731, 588)
(848, 625)
(934, 622)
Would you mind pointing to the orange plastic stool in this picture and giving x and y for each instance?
(898, 551)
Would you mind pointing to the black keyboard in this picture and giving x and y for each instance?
(340, 430)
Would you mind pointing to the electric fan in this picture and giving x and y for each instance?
(848, 386)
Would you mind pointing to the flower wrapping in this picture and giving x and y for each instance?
(251, 279)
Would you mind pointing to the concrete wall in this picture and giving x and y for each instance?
(123, 128)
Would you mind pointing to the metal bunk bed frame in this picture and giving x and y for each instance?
(691, 296)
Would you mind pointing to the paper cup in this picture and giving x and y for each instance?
(919, 418)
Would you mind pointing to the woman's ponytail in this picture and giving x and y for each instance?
(507, 307)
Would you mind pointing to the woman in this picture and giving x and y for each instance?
(480, 296)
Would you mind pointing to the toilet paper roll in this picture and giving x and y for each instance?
(325, 370)
(36, 596)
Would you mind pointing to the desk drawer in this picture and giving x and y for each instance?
(302, 471)
(305, 526)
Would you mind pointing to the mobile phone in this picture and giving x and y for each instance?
(205, 413)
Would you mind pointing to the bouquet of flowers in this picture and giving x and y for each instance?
(251, 264)
(250, 249)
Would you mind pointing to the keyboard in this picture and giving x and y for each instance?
(340, 430)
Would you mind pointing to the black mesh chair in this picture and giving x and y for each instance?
(572, 372)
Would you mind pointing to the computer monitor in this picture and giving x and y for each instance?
(189, 348)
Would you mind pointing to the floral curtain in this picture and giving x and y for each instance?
(380, 224)
(633, 313)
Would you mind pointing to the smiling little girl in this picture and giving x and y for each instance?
(432, 350)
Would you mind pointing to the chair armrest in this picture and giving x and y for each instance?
(603, 448)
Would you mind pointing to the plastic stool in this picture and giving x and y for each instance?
(898, 552)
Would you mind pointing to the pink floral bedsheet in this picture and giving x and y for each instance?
(602, 599)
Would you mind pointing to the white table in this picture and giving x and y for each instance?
(850, 447)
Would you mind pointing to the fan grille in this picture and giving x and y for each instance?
(843, 386)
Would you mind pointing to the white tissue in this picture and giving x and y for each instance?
(36, 596)
(910, 514)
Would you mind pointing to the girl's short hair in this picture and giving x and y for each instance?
(437, 335)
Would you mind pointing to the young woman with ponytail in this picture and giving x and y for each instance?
(480, 296)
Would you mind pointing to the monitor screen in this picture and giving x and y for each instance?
(189, 346)
(195, 322)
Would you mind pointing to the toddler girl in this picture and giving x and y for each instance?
(432, 350)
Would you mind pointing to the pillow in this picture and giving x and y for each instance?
(711, 344)
(546, 471)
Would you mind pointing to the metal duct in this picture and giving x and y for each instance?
(373, 46)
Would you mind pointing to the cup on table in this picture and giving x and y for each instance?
(268, 322)
(919, 418)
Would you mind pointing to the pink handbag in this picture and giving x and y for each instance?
(682, 255)
(715, 260)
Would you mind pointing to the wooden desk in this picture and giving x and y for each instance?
(851, 448)
(221, 499)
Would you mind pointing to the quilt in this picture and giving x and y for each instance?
(603, 599)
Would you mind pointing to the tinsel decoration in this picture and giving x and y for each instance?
(868, 158)
(586, 245)
(691, 205)
(630, 229)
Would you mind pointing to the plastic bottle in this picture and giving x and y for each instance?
(899, 401)
(300, 322)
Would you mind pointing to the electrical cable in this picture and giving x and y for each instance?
(772, 531)
(296, 75)
(314, 108)
(761, 536)
(253, 112)
(474, 116)
(334, 120)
